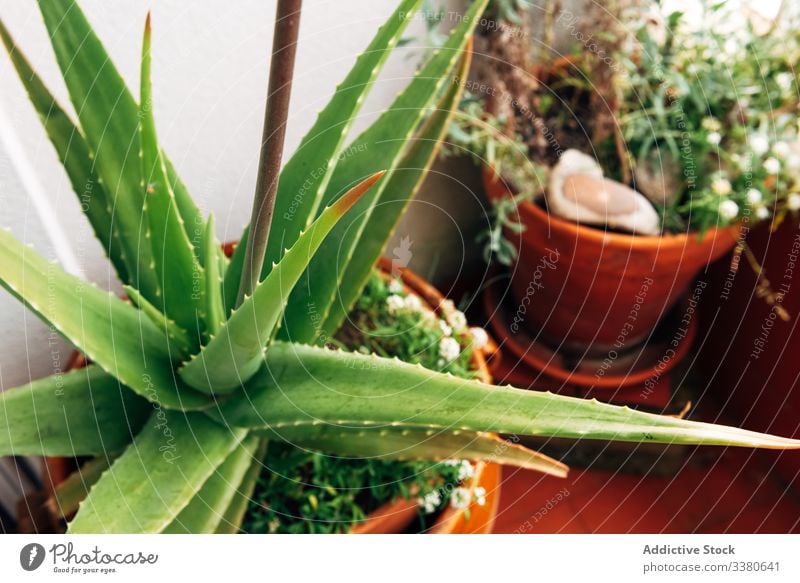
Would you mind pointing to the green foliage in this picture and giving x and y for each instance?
(302, 491)
(107, 330)
(394, 324)
(722, 103)
(306, 492)
(205, 512)
(174, 260)
(368, 391)
(168, 464)
(394, 198)
(235, 354)
(707, 114)
(109, 119)
(38, 418)
(382, 144)
(486, 140)
(194, 464)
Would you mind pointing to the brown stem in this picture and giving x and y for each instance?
(281, 70)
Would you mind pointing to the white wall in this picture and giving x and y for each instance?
(210, 71)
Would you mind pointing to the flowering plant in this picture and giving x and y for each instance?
(712, 111)
(702, 120)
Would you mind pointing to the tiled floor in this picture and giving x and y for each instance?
(731, 491)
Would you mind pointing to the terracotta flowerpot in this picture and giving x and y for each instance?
(393, 517)
(580, 286)
(640, 374)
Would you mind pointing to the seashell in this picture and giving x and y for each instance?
(578, 191)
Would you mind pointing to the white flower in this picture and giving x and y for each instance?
(759, 144)
(762, 213)
(449, 349)
(395, 303)
(446, 329)
(711, 124)
(396, 286)
(460, 498)
(714, 138)
(784, 80)
(772, 165)
(782, 149)
(430, 501)
(480, 496)
(754, 196)
(479, 338)
(728, 209)
(413, 303)
(466, 470)
(721, 186)
(457, 320)
(793, 201)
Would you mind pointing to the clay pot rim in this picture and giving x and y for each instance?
(584, 380)
(622, 241)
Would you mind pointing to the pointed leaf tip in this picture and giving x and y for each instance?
(355, 193)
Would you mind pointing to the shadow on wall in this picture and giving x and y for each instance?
(437, 236)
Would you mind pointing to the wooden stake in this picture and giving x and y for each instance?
(281, 71)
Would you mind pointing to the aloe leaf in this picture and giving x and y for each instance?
(157, 476)
(73, 152)
(83, 412)
(394, 198)
(380, 146)
(214, 310)
(236, 353)
(181, 282)
(233, 275)
(231, 521)
(306, 174)
(409, 443)
(108, 116)
(177, 338)
(72, 491)
(192, 219)
(110, 332)
(208, 507)
(304, 386)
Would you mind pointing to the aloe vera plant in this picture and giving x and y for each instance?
(185, 386)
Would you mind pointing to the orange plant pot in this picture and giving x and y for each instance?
(581, 286)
